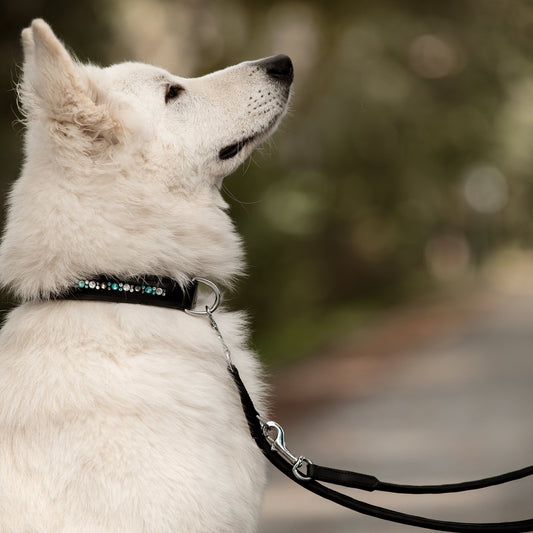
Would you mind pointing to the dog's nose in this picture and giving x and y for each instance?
(279, 67)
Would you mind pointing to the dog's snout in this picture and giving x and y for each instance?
(278, 67)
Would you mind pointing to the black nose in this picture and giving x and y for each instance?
(279, 67)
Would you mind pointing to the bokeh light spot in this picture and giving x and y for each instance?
(433, 56)
(485, 189)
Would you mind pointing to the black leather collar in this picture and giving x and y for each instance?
(146, 290)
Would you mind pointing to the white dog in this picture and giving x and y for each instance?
(119, 417)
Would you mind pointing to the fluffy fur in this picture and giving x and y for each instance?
(123, 418)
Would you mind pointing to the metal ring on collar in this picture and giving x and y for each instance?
(214, 305)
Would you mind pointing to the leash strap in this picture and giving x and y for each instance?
(256, 427)
(371, 483)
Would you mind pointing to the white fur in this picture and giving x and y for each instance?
(123, 418)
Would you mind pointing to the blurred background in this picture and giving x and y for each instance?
(397, 191)
(404, 164)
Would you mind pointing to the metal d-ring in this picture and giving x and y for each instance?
(298, 464)
(214, 305)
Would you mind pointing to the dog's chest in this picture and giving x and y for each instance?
(129, 417)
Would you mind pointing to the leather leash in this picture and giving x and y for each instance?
(315, 473)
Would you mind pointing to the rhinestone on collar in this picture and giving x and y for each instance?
(119, 286)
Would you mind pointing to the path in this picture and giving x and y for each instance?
(449, 405)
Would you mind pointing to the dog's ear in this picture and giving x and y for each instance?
(56, 87)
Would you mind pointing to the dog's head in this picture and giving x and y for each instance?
(124, 164)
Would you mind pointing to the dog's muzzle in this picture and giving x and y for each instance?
(278, 68)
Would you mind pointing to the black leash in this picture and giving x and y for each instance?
(352, 479)
(371, 483)
(269, 436)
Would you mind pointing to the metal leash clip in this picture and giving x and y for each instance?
(277, 444)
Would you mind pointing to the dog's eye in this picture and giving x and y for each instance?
(173, 91)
